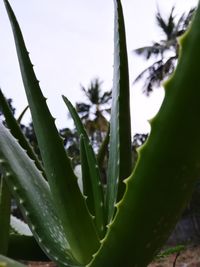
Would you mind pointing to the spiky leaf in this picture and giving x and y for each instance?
(93, 186)
(63, 183)
(13, 124)
(34, 198)
(165, 174)
(120, 162)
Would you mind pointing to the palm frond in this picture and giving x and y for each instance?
(106, 97)
(156, 73)
(171, 23)
(184, 22)
(165, 64)
(166, 27)
(149, 69)
(156, 49)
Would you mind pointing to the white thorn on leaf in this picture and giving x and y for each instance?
(26, 213)
(40, 240)
(48, 250)
(21, 201)
(7, 174)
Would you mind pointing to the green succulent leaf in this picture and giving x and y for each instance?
(91, 179)
(87, 186)
(13, 125)
(34, 198)
(163, 180)
(63, 183)
(120, 129)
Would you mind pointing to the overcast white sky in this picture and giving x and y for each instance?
(71, 42)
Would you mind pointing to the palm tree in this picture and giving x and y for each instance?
(165, 51)
(93, 113)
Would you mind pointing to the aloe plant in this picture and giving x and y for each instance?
(128, 222)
